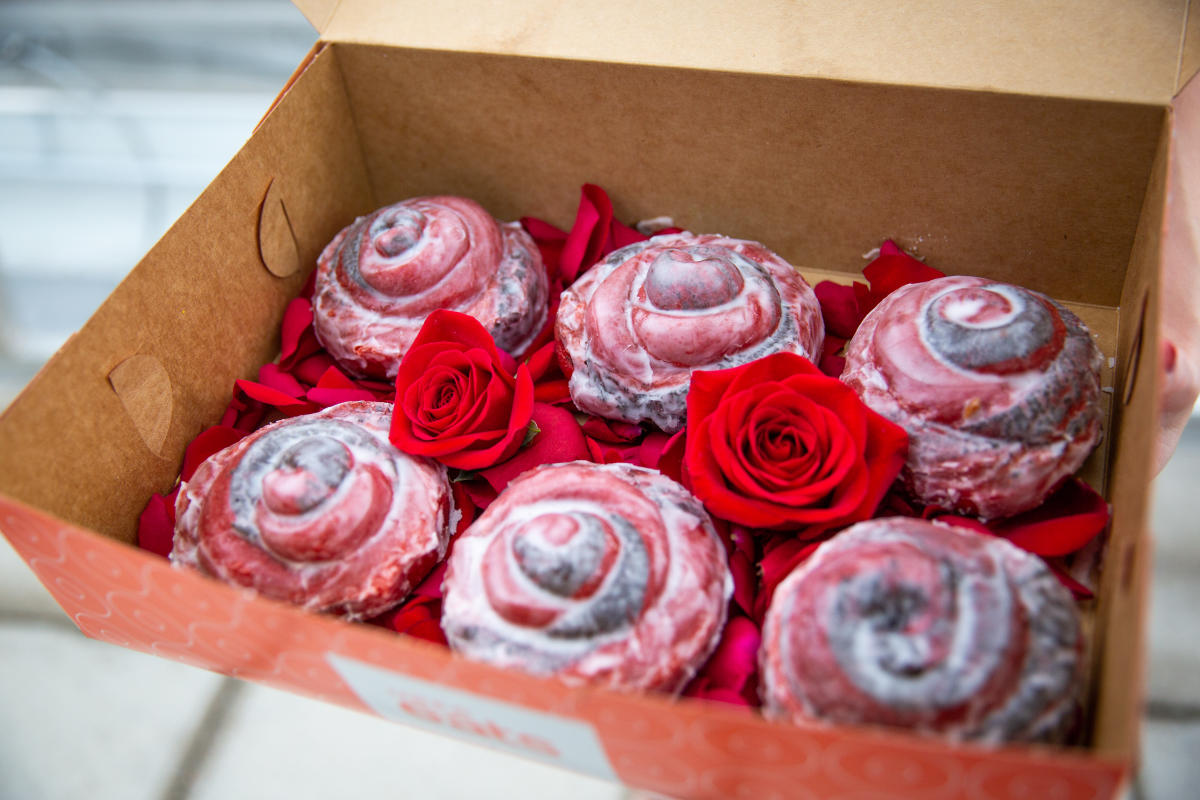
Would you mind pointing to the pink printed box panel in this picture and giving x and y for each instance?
(687, 749)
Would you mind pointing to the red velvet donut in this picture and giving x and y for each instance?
(910, 623)
(633, 328)
(997, 386)
(382, 276)
(602, 574)
(319, 511)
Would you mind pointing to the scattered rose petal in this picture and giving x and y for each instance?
(560, 439)
(271, 376)
(156, 525)
(207, 442)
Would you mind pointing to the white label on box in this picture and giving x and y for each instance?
(551, 738)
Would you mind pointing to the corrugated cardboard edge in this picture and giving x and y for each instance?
(312, 54)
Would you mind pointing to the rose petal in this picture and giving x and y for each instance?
(890, 271)
(297, 318)
(781, 555)
(587, 234)
(312, 368)
(839, 309)
(271, 375)
(560, 439)
(1065, 522)
(670, 461)
(735, 659)
(290, 406)
(207, 442)
(1078, 590)
(612, 431)
(156, 524)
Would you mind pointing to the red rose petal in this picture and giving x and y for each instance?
(272, 376)
(310, 369)
(670, 461)
(334, 387)
(207, 442)
(560, 439)
(839, 309)
(612, 431)
(1078, 590)
(290, 406)
(593, 235)
(781, 555)
(588, 233)
(890, 271)
(1069, 519)
(156, 525)
(481, 493)
(650, 451)
(543, 362)
(549, 241)
(297, 318)
(735, 659)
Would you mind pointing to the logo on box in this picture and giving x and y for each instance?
(539, 735)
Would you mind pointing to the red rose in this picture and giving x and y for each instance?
(457, 397)
(775, 444)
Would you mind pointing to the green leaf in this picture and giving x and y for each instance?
(462, 475)
(530, 432)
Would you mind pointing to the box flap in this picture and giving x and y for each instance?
(1122, 50)
(317, 12)
(1189, 49)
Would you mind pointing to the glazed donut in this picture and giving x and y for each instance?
(904, 622)
(998, 388)
(380, 278)
(631, 330)
(600, 574)
(319, 511)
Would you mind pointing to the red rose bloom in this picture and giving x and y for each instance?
(457, 397)
(775, 444)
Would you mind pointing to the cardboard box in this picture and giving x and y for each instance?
(1009, 140)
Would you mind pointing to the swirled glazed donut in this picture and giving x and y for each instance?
(601, 574)
(905, 622)
(998, 388)
(382, 276)
(632, 330)
(319, 511)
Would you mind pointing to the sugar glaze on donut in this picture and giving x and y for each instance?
(384, 274)
(320, 511)
(998, 387)
(600, 574)
(633, 329)
(915, 624)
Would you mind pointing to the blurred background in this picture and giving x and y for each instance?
(113, 117)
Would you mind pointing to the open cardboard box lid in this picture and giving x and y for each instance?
(1106, 50)
(1116, 50)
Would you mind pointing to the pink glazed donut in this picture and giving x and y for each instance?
(598, 574)
(998, 388)
(909, 623)
(319, 511)
(383, 275)
(633, 329)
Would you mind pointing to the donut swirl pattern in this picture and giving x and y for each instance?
(904, 622)
(998, 388)
(632, 330)
(319, 511)
(600, 574)
(383, 275)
